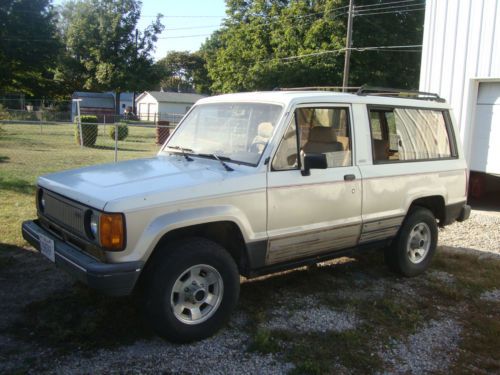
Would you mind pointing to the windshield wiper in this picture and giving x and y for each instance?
(183, 151)
(220, 159)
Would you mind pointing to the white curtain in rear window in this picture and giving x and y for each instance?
(421, 134)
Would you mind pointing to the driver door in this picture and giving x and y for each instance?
(309, 215)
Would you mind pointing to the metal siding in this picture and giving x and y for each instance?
(495, 44)
(461, 43)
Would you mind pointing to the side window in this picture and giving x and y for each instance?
(326, 131)
(321, 130)
(409, 134)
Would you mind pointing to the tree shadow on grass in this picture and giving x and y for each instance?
(81, 317)
(17, 185)
(74, 317)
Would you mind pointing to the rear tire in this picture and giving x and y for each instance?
(191, 290)
(413, 248)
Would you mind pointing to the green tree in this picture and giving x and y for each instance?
(278, 43)
(183, 71)
(104, 49)
(28, 44)
(398, 68)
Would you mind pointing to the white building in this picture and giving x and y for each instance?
(461, 62)
(159, 105)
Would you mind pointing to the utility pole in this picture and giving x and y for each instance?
(348, 44)
(136, 53)
(79, 121)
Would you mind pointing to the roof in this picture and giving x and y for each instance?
(127, 96)
(95, 99)
(294, 97)
(172, 97)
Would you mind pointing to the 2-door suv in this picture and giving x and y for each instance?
(250, 184)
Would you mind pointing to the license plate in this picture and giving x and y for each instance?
(47, 247)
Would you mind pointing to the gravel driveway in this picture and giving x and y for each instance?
(347, 316)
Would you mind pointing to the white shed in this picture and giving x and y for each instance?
(160, 105)
(461, 62)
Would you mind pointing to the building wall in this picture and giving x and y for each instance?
(149, 109)
(461, 49)
(174, 108)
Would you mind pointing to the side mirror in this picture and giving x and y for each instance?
(313, 161)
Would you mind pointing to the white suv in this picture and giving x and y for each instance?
(250, 184)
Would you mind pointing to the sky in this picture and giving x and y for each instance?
(183, 19)
(187, 22)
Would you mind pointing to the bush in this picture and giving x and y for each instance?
(89, 130)
(122, 131)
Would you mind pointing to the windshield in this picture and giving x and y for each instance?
(236, 132)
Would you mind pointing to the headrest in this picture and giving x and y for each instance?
(265, 130)
(322, 134)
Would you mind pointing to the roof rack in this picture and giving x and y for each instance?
(410, 94)
(318, 88)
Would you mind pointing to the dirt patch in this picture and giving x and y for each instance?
(313, 319)
(431, 349)
(491, 295)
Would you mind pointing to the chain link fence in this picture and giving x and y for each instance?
(29, 148)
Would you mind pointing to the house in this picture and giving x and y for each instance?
(160, 105)
(94, 103)
(461, 62)
(101, 104)
(126, 100)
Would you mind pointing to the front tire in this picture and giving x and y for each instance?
(412, 250)
(191, 290)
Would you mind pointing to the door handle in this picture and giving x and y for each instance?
(349, 177)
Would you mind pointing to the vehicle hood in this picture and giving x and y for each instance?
(141, 182)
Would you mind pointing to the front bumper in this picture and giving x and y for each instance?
(117, 279)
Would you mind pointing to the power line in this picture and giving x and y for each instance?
(192, 28)
(339, 50)
(183, 36)
(390, 3)
(392, 8)
(394, 11)
(367, 12)
(180, 16)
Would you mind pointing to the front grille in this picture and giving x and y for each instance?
(65, 212)
(66, 220)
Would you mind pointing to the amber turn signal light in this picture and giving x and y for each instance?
(112, 231)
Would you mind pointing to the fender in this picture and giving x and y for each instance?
(181, 219)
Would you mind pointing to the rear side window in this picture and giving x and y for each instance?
(407, 134)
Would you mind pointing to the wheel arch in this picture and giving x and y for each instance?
(226, 233)
(434, 203)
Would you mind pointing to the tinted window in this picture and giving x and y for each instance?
(409, 134)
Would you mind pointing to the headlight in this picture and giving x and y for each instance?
(41, 200)
(94, 225)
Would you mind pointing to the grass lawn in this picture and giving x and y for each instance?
(28, 151)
